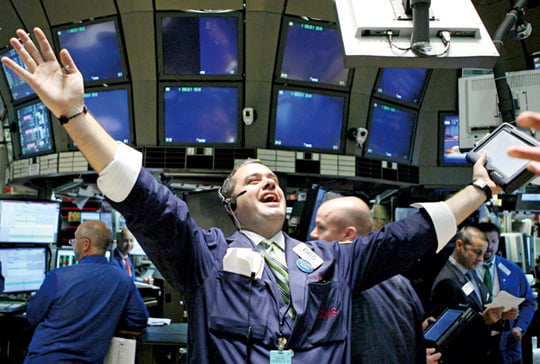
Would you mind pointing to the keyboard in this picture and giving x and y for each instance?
(12, 306)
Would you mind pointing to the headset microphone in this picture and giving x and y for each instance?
(230, 203)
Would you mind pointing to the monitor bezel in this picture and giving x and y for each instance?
(280, 54)
(440, 160)
(369, 126)
(199, 14)
(46, 256)
(415, 105)
(119, 41)
(35, 200)
(273, 114)
(16, 141)
(161, 112)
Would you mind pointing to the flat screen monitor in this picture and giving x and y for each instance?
(208, 211)
(66, 257)
(306, 119)
(19, 89)
(97, 49)
(200, 45)
(315, 196)
(34, 129)
(201, 113)
(90, 215)
(402, 85)
(391, 132)
(311, 52)
(111, 107)
(29, 221)
(24, 269)
(449, 152)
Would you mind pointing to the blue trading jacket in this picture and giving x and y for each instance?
(222, 306)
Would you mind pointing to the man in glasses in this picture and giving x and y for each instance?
(78, 308)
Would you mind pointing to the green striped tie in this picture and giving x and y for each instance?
(488, 281)
(275, 258)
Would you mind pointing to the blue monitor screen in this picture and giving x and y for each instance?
(198, 114)
(96, 49)
(35, 129)
(391, 131)
(308, 120)
(202, 45)
(111, 107)
(17, 86)
(24, 269)
(311, 52)
(405, 85)
(449, 141)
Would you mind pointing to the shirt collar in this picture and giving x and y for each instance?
(460, 267)
(279, 238)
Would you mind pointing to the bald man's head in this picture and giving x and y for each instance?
(342, 218)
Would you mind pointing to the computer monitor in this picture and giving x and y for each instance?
(35, 129)
(200, 45)
(391, 132)
(24, 269)
(66, 257)
(449, 152)
(405, 86)
(201, 114)
(111, 107)
(24, 221)
(311, 53)
(19, 89)
(96, 47)
(307, 119)
(207, 209)
(315, 196)
(90, 215)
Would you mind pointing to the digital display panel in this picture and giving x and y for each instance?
(96, 48)
(24, 269)
(201, 114)
(391, 132)
(111, 107)
(309, 120)
(403, 85)
(199, 44)
(29, 221)
(311, 52)
(66, 257)
(18, 87)
(450, 153)
(35, 129)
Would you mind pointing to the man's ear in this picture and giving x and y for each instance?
(350, 233)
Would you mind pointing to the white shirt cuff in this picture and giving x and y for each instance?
(443, 220)
(118, 178)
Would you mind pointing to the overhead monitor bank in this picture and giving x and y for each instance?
(364, 26)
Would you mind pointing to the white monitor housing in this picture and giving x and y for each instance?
(479, 103)
(364, 25)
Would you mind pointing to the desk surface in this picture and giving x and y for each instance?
(175, 333)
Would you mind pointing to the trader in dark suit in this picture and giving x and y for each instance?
(458, 286)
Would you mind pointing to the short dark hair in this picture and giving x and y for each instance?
(467, 233)
(228, 185)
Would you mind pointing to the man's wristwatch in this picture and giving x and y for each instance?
(481, 184)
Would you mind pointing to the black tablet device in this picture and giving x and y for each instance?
(509, 173)
(447, 328)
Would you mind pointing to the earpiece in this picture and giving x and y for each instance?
(229, 203)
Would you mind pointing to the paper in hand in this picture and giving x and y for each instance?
(506, 300)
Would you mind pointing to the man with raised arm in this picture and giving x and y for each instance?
(257, 296)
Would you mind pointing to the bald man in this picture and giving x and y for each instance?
(387, 318)
(78, 308)
(120, 258)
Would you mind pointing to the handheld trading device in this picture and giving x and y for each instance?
(447, 327)
(509, 173)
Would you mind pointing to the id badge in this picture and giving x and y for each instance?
(281, 356)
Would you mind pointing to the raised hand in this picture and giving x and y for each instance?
(59, 85)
